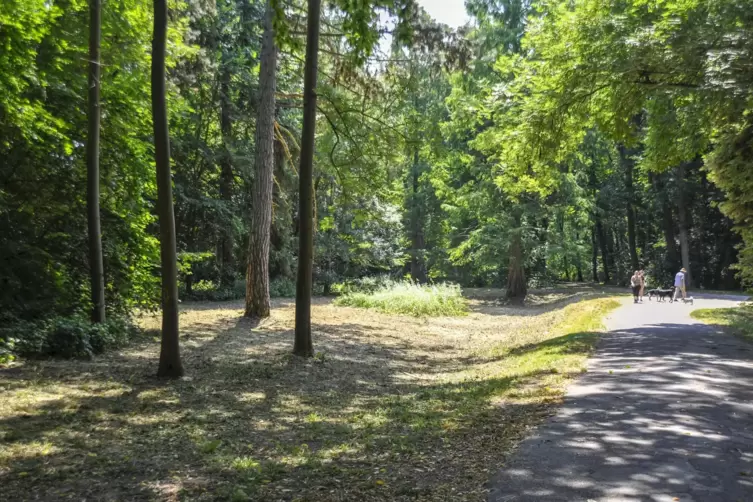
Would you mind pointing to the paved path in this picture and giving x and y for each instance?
(665, 413)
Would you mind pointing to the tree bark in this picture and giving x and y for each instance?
(578, 258)
(517, 287)
(169, 359)
(97, 273)
(601, 234)
(594, 256)
(682, 217)
(629, 164)
(671, 260)
(227, 268)
(303, 344)
(417, 264)
(257, 274)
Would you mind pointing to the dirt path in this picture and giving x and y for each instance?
(665, 413)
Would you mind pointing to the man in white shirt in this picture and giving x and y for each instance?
(680, 284)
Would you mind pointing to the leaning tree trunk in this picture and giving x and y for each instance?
(97, 273)
(629, 164)
(303, 344)
(257, 274)
(682, 217)
(227, 268)
(169, 359)
(516, 276)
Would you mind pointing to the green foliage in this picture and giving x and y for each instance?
(66, 337)
(410, 299)
(738, 321)
(282, 287)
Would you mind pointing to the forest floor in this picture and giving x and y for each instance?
(391, 407)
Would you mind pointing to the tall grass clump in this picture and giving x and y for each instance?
(409, 298)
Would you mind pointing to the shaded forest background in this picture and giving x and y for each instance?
(543, 142)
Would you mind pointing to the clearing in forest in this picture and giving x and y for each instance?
(391, 407)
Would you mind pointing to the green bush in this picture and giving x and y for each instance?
(67, 337)
(282, 287)
(363, 285)
(411, 299)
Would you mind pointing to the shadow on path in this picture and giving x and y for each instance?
(665, 413)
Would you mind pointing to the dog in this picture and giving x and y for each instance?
(661, 294)
(689, 300)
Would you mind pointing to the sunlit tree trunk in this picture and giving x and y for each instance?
(169, 360)
(594, 256)
(97, 273)
(257, 274)
(303, 344)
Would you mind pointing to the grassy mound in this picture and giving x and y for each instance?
(410, 299)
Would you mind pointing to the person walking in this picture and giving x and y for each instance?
(680, 284)
(642, 275)
(635, 283)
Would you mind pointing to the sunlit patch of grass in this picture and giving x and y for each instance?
(410, 298)
(737, 321)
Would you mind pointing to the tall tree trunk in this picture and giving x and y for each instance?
(601, 234)
(628, 164)
(682, 217)
(227, 268)
(616, 254)
(417, 263)
(257, 275)
(169, 359)
(594, 256)
(671, 261)
(97, 273)
(578, 262)
(303, 344)
(517, 288)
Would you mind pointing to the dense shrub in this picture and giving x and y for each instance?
(67, 337)
(411, 299)
(282, 288)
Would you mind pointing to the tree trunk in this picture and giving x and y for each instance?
(594, 256)
(96, 266)
(671, 260)
(303, 344)
(169, 359)
(578, 258)
(417, 263)
(257, 275)
(227, 268)
(682, 217)
(601, 234)
(517, 288)
(629, 163)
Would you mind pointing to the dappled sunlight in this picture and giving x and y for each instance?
(419, 404)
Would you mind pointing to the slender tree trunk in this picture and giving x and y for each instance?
(257, 275)
(169, 359)
(671, 260)
(578, 258)
(601, 234)
(682, 217)
(616, 254)
(628, 163)
(227, 268)
(303, 344)
(417, 264)
(96, 266)
(594, 256)
(517, 287)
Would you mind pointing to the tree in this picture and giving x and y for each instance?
(92, 163)
(303, 344)
(169, 361)
(257, 275)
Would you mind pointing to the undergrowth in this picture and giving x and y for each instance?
(409, 298)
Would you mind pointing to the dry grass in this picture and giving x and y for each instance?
(391, 408)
